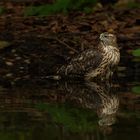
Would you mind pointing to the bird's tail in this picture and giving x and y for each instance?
(52, 77)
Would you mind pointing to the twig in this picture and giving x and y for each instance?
(63, 43)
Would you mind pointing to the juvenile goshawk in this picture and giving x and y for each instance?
(93, 63)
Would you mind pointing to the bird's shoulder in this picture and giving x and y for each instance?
(88, 55)
(82, 63)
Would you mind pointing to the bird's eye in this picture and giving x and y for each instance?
(105, 35)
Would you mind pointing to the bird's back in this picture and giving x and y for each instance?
(82, 63)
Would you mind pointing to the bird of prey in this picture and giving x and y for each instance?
(94, 63)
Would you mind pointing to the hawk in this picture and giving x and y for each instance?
(94, 63)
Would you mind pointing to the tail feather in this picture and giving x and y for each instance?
(53, 77)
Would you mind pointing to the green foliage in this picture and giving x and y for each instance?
(1, 10)
(136, 89)
(136, 52)
(60, 6)
(76, 120)
(133, 5)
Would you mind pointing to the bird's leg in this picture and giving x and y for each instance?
(108, 73)
(108, 77)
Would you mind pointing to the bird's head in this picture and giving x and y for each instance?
(108, 39)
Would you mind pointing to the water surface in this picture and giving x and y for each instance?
(72, 110)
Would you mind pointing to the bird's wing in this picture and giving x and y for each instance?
(83, 62)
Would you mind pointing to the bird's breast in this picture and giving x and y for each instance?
(112, 55)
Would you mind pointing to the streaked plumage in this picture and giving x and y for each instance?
(96, 62)
(94, 96)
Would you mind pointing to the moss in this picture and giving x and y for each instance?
(136, 52)
(133, 5)
(136, 89)
(61, 6)
(1, 10)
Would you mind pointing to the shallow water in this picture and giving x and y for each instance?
(72, 110)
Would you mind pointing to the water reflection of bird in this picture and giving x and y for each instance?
(95, 96)
(95, 62)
